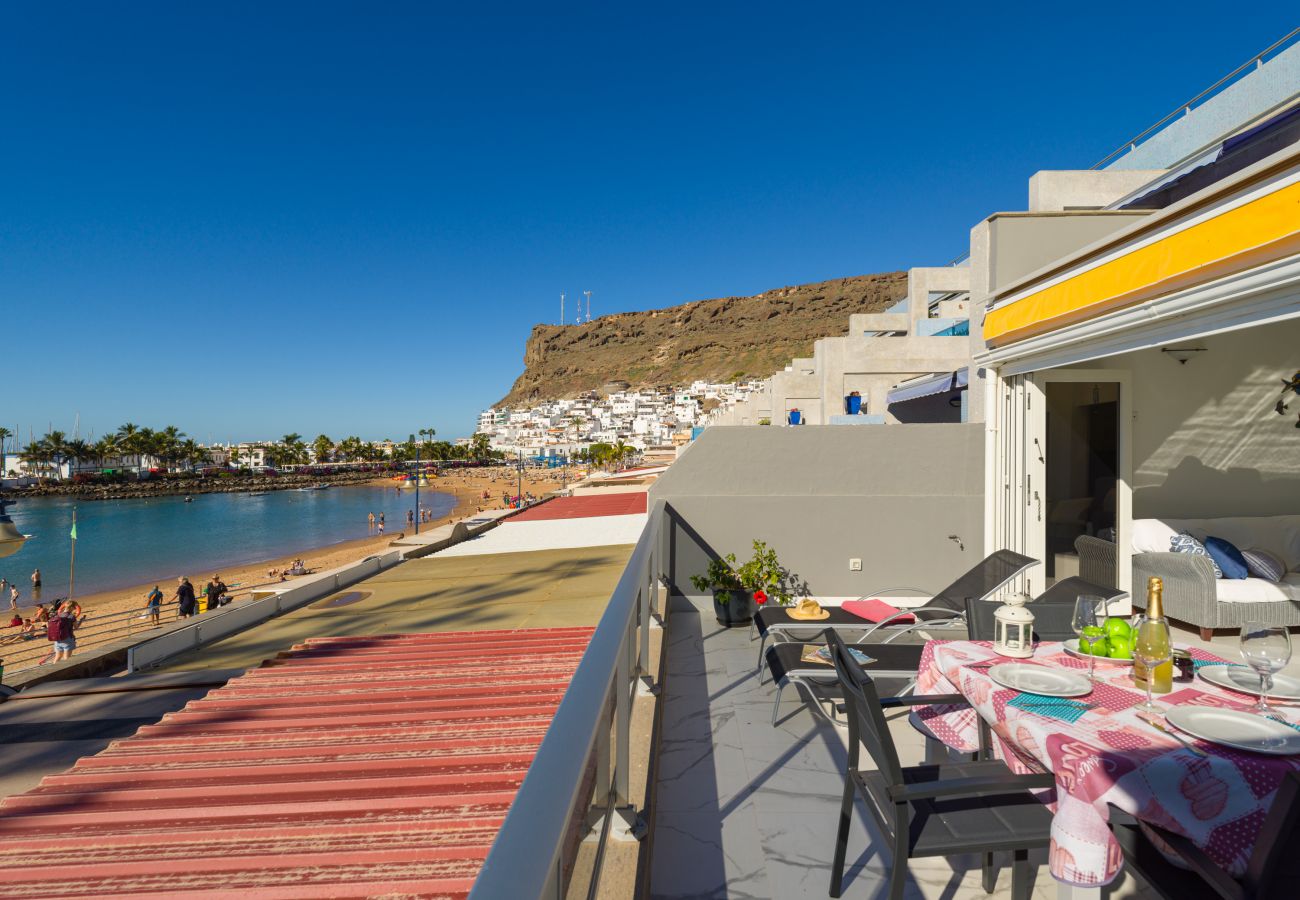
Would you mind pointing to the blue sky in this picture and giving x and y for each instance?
(249, 219)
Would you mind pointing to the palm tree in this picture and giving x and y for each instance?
(106, 448)
(56, 446)
(78, 451)
(480, 445)
(323, 447)
(5, 434)
(36, 455)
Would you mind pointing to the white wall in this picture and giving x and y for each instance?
(1206, 441)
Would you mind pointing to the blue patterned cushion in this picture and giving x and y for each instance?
(1227, 557)
(1185, 543)
(1263, 564)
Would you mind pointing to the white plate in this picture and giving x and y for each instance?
(1042, 680)
(1235, 728)
(1241, 678)
(1072, 648)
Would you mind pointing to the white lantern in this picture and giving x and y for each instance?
(1013, 629)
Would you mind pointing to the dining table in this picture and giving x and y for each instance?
(1103, 749)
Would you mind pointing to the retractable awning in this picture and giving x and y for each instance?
(940, 383)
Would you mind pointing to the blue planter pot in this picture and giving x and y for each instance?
(852, 405)
(795, 417)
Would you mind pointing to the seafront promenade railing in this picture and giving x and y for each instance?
(578, 786)
(21, 652)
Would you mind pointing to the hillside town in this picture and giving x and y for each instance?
(644, 419)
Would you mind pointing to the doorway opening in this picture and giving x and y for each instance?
(1082, 470)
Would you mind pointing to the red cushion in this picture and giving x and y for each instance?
(876, 610)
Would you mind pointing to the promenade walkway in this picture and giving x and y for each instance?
(540, 589)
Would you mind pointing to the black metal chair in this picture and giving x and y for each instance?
(932, 810)
(1053, 610)
(1272, 872)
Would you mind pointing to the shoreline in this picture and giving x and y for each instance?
(465, 485)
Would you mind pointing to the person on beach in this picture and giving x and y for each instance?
(42, 614)
(13, 596)
(212, 593)
(184, 597)
(16, 622)
(381, 521)
(372, 521)
(36, 584)
(153, 606)
(62, 631)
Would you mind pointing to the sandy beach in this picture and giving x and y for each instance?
(466, 485)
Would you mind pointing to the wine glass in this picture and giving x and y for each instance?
(1266, 649)
(1089, 616)
(1152, 648)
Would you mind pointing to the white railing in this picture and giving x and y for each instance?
(581, 773)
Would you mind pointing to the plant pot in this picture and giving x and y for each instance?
(737, 611)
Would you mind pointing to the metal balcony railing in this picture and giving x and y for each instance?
(576, 794)
(1184, 108)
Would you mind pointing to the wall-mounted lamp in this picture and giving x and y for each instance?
(1182, 354)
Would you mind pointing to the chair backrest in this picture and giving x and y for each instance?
(989, 574)
(1053, 610)
(1274, 867)
(862, 709)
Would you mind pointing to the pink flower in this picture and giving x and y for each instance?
(760, 597)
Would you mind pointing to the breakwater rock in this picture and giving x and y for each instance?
(174, 485)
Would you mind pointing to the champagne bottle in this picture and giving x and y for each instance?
(1162, 676)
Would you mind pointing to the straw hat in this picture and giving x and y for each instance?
(808, 610)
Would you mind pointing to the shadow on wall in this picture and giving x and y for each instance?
(1193, 490)
(690, 554)
(1229, 455)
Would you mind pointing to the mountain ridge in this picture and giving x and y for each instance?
(718, 339)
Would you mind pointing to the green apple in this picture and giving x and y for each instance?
(1117, 627)
(1097, 636)
(1120, 647)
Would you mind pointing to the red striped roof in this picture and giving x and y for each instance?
(346, 767)
(585, 507)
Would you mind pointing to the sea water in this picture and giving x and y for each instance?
(126, 542)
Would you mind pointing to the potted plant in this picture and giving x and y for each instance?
(737, 589)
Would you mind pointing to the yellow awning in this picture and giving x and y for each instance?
(1258, 231)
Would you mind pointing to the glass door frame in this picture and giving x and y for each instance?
(1036, 469)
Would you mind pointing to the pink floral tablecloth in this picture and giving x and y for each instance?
(1108, 755)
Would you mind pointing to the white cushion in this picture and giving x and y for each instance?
(1279, 535)
(1151, 536)
(1249, 590)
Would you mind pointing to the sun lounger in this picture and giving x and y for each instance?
(945, 609)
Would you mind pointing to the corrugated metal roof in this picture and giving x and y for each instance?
(585, 507)
(346, 767)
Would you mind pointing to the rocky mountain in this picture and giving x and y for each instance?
(718, 340)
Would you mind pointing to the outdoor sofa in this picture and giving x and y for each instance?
(1192, 592)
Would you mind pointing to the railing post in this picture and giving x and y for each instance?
(623, 722)
(643, 645)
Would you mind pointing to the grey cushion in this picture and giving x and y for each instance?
(1263, 564)
(1185, 543)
